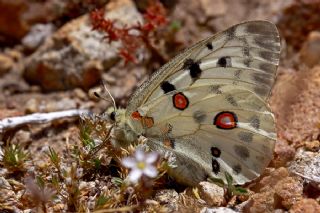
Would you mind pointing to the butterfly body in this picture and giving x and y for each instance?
(208, 106)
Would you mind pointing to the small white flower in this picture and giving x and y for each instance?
(141, 164)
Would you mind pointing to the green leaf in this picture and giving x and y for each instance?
(175, 25)
(14, 157)
(53, 155)
(97, 163)
(85, 136)
(55, 181)
(101, 200)
(117, 181)
(229, 178)
(217, 181)
(40, 182)
(240, 191)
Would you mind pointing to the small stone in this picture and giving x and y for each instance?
(305, 206)
(4, 183)
(6, 63)
(62, 104)
(288, 191)
(32, 106)
(310, 51)
(59, 207)
(18, 16)
(296, 20)
(168, 198)
(22, 137)
(283, 153)
(273, 178)
(262, 202)
(37, 34)
(306, 165)
(79, 93)
(216, 8)
(211, 193)
(313, 146)
(109, 78)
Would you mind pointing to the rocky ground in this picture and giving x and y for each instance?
(51, 59)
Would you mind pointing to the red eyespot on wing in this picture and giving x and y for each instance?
(226, 120)
(136, 115)
(180, 101)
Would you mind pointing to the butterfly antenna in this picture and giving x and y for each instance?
(113, 101)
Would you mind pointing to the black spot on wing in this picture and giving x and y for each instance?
(215, 152)
(199, 116)
(209, 46)
(236, 169)
(224, 62)
(231, 100)
(216, 89)
(193, 67)
(167, 87)
(231, 33)
(247, 62)
(242, 151)
(255, 122)
(215, 166)
(246, 51)
(245, 136)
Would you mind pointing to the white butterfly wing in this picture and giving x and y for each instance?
(208, 105)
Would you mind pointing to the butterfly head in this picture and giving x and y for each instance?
(122, 132)
(112, 116)
(115, 116)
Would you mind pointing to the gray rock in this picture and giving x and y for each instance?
(212, 194)
(168, 198)
(76, 55)
(38, 33)
(306, 165)
(310, 51)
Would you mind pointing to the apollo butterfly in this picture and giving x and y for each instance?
(208, 106)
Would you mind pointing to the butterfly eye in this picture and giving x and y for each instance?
(113, 116)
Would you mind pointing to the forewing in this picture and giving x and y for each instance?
(246, 54)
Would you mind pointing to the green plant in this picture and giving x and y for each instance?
(230, 189)
(14, 158)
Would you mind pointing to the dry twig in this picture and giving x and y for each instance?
(37, 118)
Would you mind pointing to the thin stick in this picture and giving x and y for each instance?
(37, 118)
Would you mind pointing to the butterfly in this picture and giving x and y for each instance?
(208, 106)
